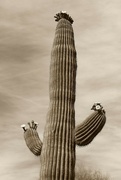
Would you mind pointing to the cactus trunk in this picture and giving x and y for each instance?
(58, 151)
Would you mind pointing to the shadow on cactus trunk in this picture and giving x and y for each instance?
(60, 135)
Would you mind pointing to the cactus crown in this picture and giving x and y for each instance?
(64, 15)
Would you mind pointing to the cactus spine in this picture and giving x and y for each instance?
(60, 135)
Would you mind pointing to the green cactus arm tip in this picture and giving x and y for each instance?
(64, 15)
(88, 130)
(32, 139)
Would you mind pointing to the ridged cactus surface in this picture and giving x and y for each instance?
(58, 152)
(93, 124)
(32, 138)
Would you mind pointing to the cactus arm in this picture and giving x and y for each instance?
(32, 139)
(58, 152)
(88, 130)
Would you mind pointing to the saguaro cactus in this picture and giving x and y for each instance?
(60, 135)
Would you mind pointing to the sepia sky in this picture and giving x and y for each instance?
(27, 30)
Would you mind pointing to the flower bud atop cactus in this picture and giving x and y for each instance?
(97, 107)
(23, 126)
(63, 15)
